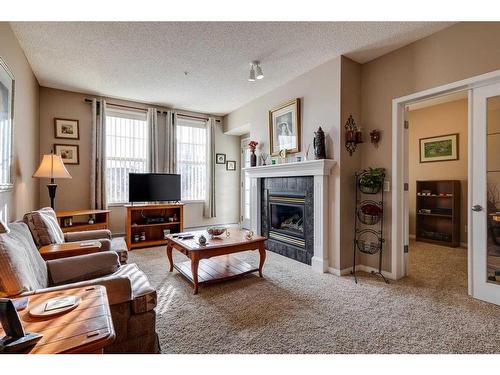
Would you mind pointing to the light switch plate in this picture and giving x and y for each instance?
(387, 185)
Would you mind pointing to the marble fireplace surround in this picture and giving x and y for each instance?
(320, 170)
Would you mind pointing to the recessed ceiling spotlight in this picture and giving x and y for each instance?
(251, 77)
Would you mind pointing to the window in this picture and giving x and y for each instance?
(127, 150)
(192, 158)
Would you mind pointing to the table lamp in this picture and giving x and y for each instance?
(52, 167)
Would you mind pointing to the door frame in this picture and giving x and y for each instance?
(400, 215)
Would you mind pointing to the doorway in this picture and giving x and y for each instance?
(437, 191)
(245, 184)
(482, 93)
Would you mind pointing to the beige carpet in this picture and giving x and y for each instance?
(293, 310)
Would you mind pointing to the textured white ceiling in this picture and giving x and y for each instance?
(146, 61)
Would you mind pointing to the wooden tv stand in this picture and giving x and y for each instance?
(136, 223)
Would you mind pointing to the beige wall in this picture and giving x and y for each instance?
(458, 52)
(319, 91)
(24, 196)
(75, 193)
(441, 119)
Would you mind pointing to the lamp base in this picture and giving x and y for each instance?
(52, 193)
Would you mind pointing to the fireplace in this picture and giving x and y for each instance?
(287, 216)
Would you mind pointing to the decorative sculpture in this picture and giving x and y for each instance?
(319, 144)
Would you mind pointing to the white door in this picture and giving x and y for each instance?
(245, 185)
(406, 192)
(485, 185)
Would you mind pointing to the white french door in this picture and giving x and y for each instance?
(245, 185)
(485, 195)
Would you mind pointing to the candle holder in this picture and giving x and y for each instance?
(353, 135)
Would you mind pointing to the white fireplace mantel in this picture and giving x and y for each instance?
(320, 170)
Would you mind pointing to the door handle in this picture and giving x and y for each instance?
(477, 208)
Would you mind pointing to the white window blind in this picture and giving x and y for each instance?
(192, 158)
(127, 151)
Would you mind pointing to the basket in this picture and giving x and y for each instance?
(368, 247)
(368, 219)
(369, 189)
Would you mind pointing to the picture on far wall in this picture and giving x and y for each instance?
(442, 148)
(231, 165)
(220, 158)
(66, 128)
(68, 153)
(284, 128)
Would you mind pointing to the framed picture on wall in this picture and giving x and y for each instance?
(220, 158)
(70, 154)
(231, 165)
(441, 148)
(6, 128)
(284, 128)
(66, 128)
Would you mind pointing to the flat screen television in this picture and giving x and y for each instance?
(154, 187)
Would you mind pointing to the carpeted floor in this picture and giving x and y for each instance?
(293, 310)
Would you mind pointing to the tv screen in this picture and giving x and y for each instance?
(152, 187)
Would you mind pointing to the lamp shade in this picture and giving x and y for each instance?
(52, 166)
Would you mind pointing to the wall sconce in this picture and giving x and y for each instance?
(353, 135)
(375, 137)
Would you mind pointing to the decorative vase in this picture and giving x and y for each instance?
(319, 144)
(253, 158)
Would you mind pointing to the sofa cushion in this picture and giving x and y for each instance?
(44, 227)
(22, 269)
(143, 294)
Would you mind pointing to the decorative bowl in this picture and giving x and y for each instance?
(216, 231)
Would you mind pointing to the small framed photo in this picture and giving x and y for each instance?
(66, 128)
(220, 158)
(441, 148)
(70, 154)
(231, 165)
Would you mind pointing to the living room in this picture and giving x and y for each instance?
(183, 187)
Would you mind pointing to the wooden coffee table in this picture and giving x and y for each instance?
(86, 329)
(199, 269)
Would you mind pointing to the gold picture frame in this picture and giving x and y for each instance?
(285, 128)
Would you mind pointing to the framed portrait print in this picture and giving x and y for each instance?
(220, 158)
(284, 128)
(66, 128)
(70, 154)
(441, 148)
(6, 129)
(231, 165)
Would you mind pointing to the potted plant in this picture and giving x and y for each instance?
(371, 180)
(253, 158)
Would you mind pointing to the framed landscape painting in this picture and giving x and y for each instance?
(442, 148)
(284, 128)
(68, 153)
(66, 129)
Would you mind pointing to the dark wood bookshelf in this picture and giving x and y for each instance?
(438, 214)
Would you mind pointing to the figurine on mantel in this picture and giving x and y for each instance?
(319, 144)
(263, 158)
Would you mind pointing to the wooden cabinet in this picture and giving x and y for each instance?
(150, 221)
(438, 212)
(78, 220)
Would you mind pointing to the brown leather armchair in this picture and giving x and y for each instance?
(44, 228)
(131, 297)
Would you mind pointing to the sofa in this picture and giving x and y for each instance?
(45, 230)
(131, 297)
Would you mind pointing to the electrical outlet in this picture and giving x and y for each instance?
(387, 185)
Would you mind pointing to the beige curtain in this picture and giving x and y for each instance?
(209, 209)
(163, 142)
(98, 155)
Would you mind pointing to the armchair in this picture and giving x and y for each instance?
(131, 297)
(45, 230)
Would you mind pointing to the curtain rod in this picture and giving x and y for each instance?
(144, 109)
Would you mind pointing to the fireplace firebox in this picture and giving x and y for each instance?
(287, 216)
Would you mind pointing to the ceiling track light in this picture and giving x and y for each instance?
(255, 71)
